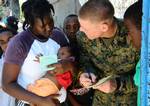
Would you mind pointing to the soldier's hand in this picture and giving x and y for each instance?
(108, 86)
(87, 79)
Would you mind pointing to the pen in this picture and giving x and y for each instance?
(89, 74)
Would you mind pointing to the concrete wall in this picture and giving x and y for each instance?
(120, 6)
(64, 8)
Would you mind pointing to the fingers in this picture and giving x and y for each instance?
(86, 76)
(29, 87)
(54, 98)
(93, 77)
(55, 95)
(113, 83)
(56, 101)
(85, 80)
(107, 87)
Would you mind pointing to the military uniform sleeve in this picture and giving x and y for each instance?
(84, 60)
(126, 78)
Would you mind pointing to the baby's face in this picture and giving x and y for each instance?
(64, 53)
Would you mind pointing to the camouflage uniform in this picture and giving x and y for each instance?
(112, 56)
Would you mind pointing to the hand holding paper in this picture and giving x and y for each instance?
(101, 81)
(107, 84)
(87, 79)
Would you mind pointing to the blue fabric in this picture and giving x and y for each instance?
(145, 54)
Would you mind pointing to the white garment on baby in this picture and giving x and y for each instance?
(63, 95)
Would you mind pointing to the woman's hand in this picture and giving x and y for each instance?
(108, 86)
(49, 101)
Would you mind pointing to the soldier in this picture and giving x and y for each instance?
(105, 51)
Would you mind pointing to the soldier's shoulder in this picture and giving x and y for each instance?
(122, 31)
(81, 36)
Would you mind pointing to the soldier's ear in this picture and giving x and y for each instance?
(104, 27)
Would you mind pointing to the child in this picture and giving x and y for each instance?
(5, 36)
(51, 83)
(20, 69)
(132, 20)
(105, 51)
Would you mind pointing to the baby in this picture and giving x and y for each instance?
(53, 83)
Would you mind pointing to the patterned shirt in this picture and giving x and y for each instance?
(109, 56)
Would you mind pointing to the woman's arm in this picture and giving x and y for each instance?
(10, 85)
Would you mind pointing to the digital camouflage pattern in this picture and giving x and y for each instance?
(112, 56)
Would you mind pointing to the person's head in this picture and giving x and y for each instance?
(65, 52)
(71, 26)
(38, 17)
(5, 35)
(132, 21)
(12, 24)
(96, 18)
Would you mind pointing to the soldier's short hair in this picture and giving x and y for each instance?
(97, 10)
